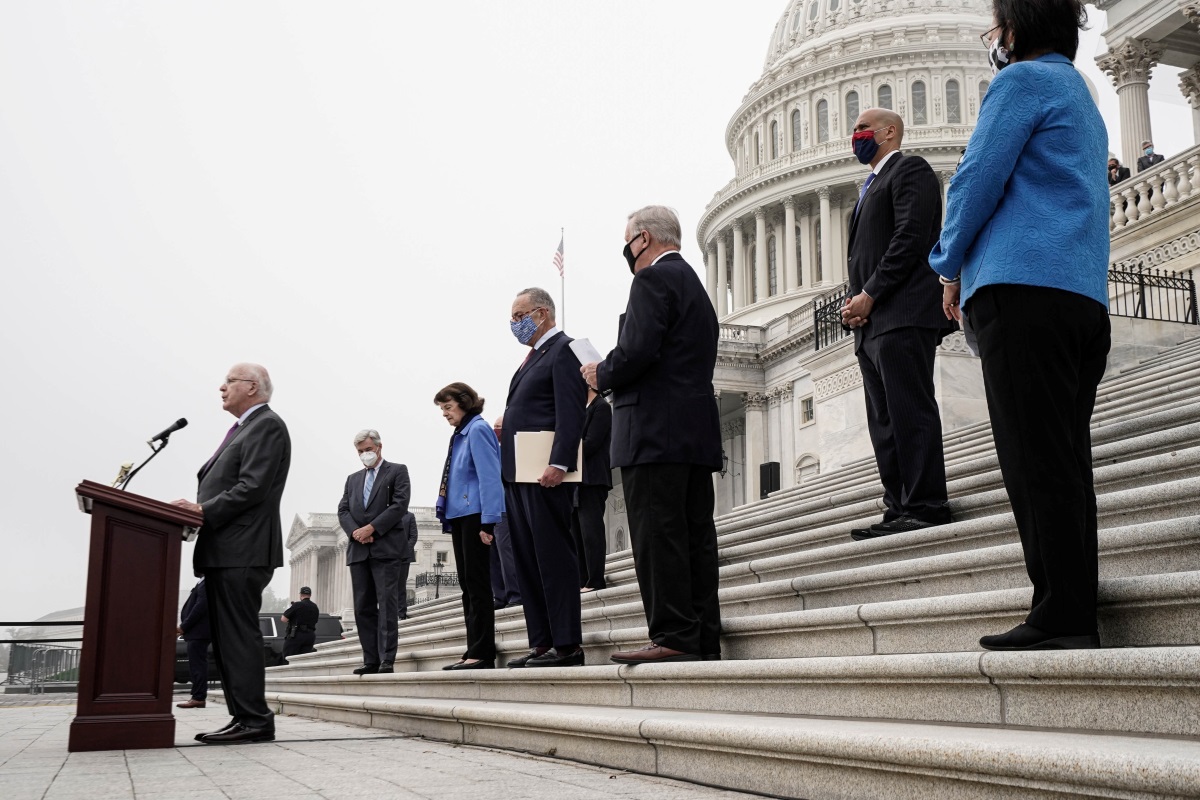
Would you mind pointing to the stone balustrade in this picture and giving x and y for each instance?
(1152, 191)
(743, 334)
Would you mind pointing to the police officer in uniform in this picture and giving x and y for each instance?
(301, 619)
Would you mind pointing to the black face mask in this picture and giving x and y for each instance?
(630, 258)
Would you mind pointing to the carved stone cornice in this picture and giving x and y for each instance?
(734, 427)
(1163, 254)
(1131, 61)
(754, 401)
(1192, 12)
(839, 382)
(789, 202)
(760, 213)
(780, 393)
(823, 192)
(955, 345)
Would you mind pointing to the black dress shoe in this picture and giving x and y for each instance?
(553, 658)
(498, 604)
(711, 657)
(240, 734)
(226, 729)
(482, 663)
(1027, 637)
(386, 668)
(367, 669)
(523, 660)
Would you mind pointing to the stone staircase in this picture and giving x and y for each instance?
(852, 669)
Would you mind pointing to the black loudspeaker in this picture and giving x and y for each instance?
(768, 479)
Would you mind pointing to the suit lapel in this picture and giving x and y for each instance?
(240, 428)
(870, 191)
(534, 357)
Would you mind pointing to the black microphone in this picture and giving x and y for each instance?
(179, 423)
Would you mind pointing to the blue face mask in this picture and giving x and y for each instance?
(524, 328)
(1149, 151)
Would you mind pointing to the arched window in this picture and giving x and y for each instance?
(983, 87)
(818, 266)
(772, 266)
(813, 8)
(851, 109)
(834, 5)
(757, 149)
(753, 284)
(729, 282)
(920, 108)
(797, 18)
(799, 261)
(797, 127)
(822, 121)
(885, 97)
(953, 103)
(774, 140)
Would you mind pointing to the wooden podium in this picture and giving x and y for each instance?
(127, 668)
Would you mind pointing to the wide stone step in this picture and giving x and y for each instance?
(794, 756)
(1130, 690)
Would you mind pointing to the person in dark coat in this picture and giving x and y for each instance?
(587, 518)
(301, 620)
(194, 628)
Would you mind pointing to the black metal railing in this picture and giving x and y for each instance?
(827, 317)
(1152, 294)
(429, 579)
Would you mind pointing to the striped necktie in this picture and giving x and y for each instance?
(863, 193)
(367, 486)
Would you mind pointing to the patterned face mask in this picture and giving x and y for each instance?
(524, 328)
(997, 56)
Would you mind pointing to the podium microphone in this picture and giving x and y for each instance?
(166, 434)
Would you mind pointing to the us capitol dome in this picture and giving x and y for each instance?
(775, 236)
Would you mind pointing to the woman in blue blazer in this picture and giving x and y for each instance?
(1024, 249)
(470, 502)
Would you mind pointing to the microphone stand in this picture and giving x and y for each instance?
(125, 483)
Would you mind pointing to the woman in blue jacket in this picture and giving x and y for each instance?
(470, 502)
(1024, 250)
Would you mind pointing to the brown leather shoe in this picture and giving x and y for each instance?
(191, 704)
(652, 654)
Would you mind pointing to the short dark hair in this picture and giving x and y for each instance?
(1037, 26)
(462, 394)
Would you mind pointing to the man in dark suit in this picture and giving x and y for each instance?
(546, 394)
(895, 311)
(371, 513)
(666, 438)
(408, 523)
(1116, 173)
(240, 545)
(1148, 158)
(194, 628)
(587, 520)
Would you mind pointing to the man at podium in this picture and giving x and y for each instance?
(240, 545)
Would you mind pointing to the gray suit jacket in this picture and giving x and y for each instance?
(385, 510)
(240, 490)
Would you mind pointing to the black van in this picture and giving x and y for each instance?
(329, 628)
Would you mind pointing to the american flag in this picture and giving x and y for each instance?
(558, 258)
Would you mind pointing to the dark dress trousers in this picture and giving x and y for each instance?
(506, 590)
(239, 546)
(302, 618)
(193, 621)
(375, 567)
(547, 393)
(587, 519)
(409, 524)
(666, 439)
(891, 234)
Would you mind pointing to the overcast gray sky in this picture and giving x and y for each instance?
(349, 193)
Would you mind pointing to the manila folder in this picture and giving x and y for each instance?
(532, 451)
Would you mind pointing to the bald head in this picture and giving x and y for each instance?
(887, 126)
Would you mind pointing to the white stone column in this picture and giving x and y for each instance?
(837, 269)
(739, 268)
(712, 273)
(790, 272)
(806, 246)
(781, 282)
(1189, 85)
(755, 440)
(1129, 64)
(722, 276)
(787, 433)
(826, 237)
(945, 175)
(761, 283)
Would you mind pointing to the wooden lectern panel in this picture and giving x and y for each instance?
(128, 660)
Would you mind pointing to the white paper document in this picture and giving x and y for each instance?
(532, 453)
(585, 351)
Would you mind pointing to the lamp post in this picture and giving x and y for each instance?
(437, 578)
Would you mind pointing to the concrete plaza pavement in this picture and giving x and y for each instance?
(310, 760)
